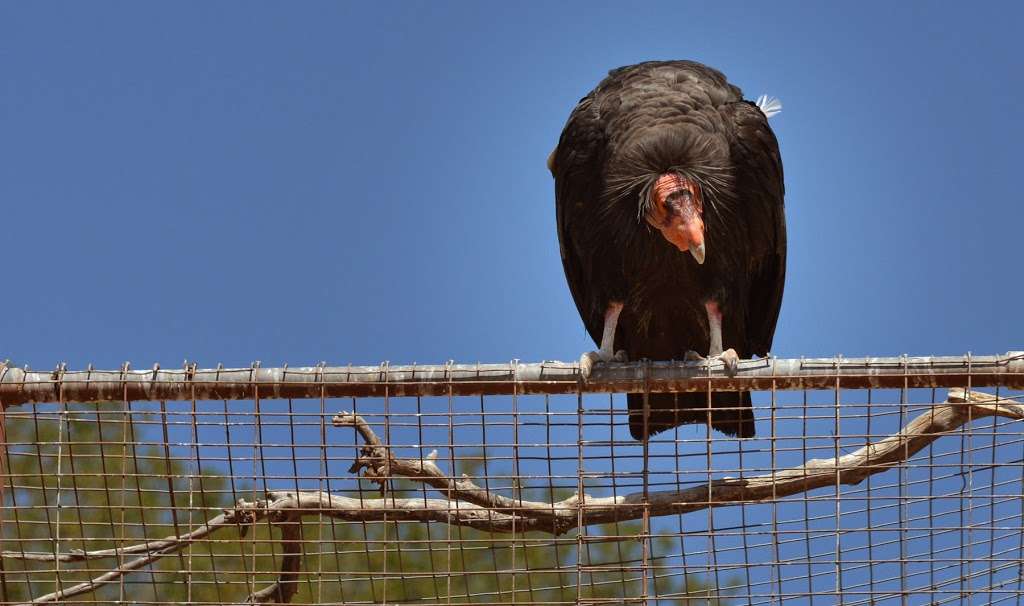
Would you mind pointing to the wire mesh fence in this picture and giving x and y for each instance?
(872, 481)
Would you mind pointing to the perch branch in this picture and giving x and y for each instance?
(466, 504)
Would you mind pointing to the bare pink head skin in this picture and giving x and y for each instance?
(677, 211)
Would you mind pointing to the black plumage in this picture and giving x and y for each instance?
(639, 124)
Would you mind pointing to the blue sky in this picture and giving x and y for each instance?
(227, 182)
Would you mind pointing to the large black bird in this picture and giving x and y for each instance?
(669, 201)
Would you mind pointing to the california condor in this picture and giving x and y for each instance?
(669, 202)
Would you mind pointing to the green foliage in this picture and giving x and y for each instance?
(97, 478)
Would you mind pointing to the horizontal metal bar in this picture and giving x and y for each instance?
(21, 386)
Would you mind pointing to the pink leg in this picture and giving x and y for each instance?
(715, 325)
(607, 352)
(729, 356)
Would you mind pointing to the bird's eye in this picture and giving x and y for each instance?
(680, 195)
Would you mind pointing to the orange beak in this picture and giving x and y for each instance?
(677, 212)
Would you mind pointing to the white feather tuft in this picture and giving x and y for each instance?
(769, 105)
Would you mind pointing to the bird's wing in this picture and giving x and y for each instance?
(576, 165)
(755, 154)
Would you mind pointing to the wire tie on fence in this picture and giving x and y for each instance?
(252, 372)
(216, 377)
(58, 378)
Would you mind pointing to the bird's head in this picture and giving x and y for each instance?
(676, 209)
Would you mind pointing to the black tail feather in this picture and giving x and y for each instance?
(731, 412)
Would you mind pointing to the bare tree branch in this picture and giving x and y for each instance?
(961, 407)
(245, 513)
(466, 504)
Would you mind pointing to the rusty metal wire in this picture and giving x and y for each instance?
(868, 483)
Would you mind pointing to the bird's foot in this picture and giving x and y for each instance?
(590, 358)
(729, 358)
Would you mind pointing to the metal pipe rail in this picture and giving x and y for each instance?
(22, 386)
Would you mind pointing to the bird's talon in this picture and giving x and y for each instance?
(590, 358)
(587, 364)
(692, 356)
(731, 361)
